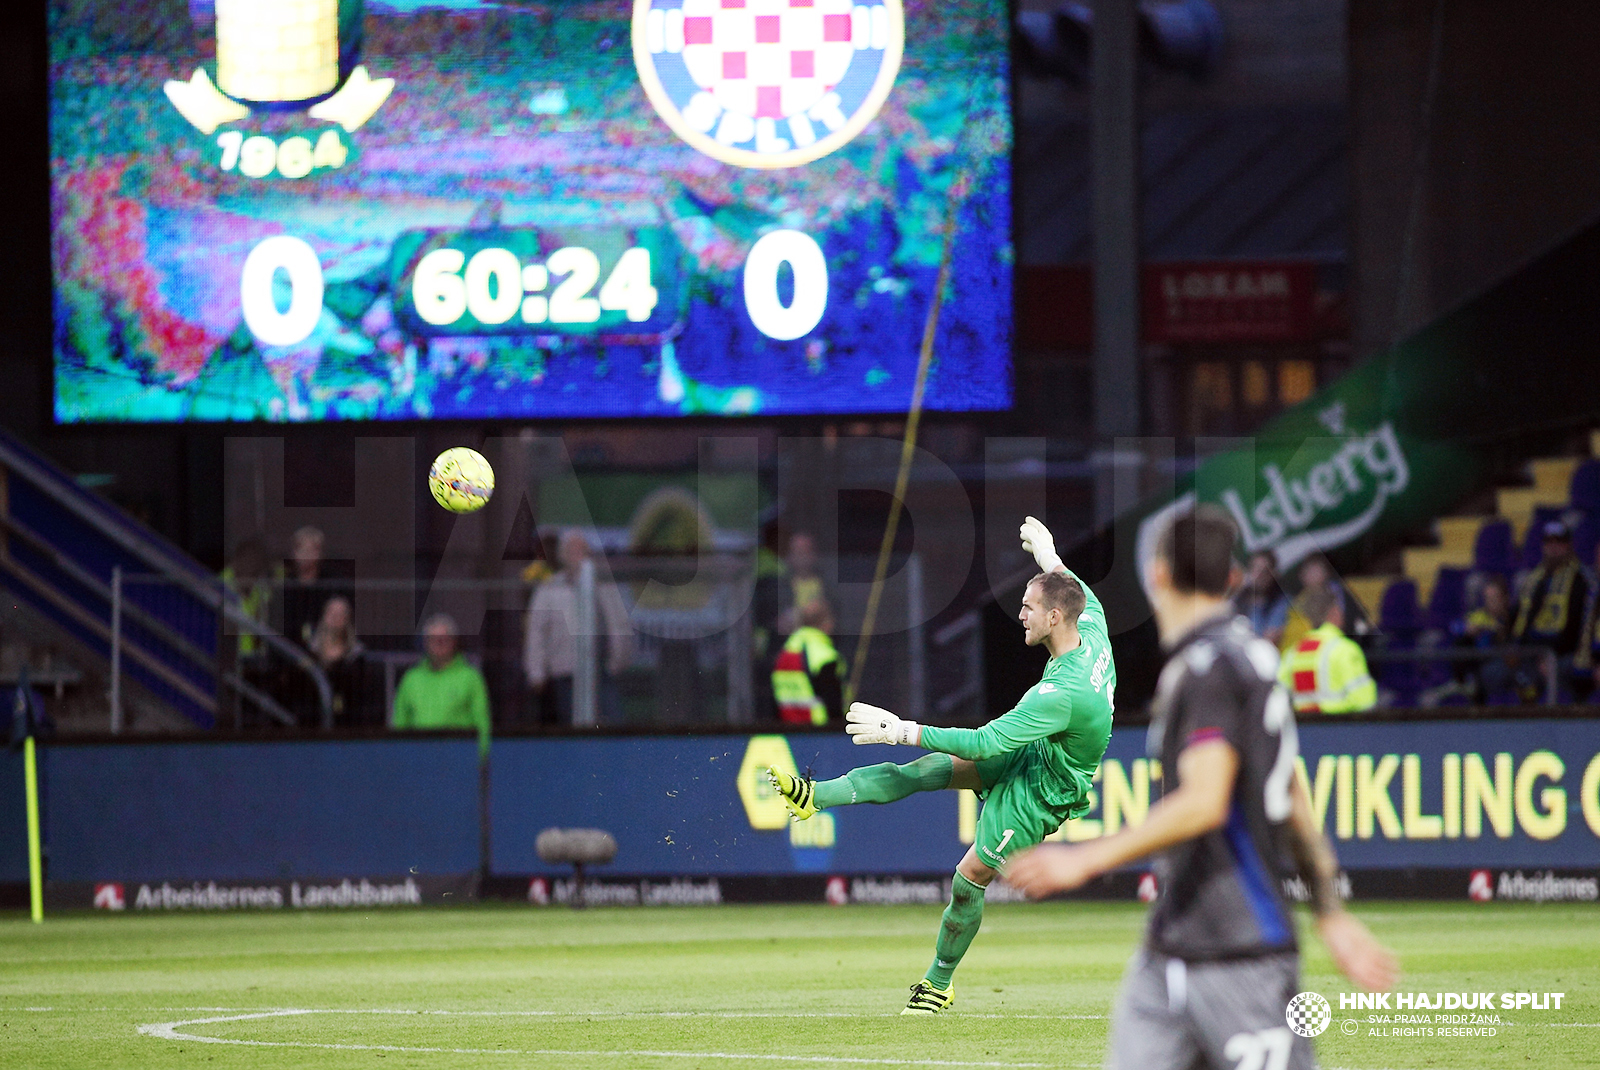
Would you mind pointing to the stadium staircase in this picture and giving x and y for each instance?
(1435, 586)
(65, 552)
(1432, 579)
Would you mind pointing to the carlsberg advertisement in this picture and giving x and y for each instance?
(1403, 437)
(1327, 475)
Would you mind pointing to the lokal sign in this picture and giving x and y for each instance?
(1229, 302)
(1182, 302)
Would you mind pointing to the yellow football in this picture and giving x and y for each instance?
(461, 480)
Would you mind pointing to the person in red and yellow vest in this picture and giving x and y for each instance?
(807, 678)
(1326, 672)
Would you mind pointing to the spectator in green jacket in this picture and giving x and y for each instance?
(443, 690)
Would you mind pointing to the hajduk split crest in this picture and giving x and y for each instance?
(767, 83)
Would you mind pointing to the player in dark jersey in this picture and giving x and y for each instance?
(1219, 966)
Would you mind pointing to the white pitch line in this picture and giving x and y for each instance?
(1365, 1068)
(632, 1014)
(119, 1010)
(574, 1014)
(169, 1031)
(699, 1014)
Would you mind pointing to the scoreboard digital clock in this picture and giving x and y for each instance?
(352, 209)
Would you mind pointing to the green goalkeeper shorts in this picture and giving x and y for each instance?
(1014, 815)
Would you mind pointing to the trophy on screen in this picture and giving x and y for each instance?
(277, 51)
(283, 55)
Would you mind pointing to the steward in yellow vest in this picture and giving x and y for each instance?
(807, 678)
(1326, 672)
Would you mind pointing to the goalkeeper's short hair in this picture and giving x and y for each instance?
(1060, 591)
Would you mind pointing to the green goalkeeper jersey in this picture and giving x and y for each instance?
(1064, 720)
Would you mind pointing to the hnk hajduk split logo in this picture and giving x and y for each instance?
(767, 83)
(1308, 1014)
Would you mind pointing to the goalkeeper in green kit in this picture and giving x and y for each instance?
(1032, 766)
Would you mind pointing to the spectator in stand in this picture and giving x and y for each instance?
(771, 583)
(443, 690)
(1489, 625)
(1259, 599)
(1551, 614)
(807, 678)
(1315, 575)
(805, 583)
(1326, 672)
(334, 639)
(343, 659)
(246, 575)
(250, 581)
(1586, 661)
(542, 569)
(782, 585)
(309, 587)
(515, 706)
(549, 653)
(770, 599)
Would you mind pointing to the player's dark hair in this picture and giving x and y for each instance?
(1198, 547)
(1061, 592)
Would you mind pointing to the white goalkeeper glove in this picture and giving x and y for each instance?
(869, 724)
(1036, 539)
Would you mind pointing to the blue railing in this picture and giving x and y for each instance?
(61, 548)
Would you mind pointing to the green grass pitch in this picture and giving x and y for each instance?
(497, 986)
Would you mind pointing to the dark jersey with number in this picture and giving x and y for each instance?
(1222, 893)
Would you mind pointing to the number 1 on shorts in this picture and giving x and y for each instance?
(1000, 848)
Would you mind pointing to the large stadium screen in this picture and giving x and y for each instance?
(413, 209)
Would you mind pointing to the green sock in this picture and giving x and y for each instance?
(956, 930)
(887, 782)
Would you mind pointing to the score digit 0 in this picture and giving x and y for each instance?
(298, 261)
(810, 300)
(493, 286)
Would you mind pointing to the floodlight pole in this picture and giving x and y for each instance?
(585, 676)
(1114, 141)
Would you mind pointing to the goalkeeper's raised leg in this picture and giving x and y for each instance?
(883, 783)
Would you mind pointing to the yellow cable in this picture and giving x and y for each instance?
(908, 444)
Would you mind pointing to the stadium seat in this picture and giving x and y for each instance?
(1585, 537)
(1585, 490)
(1400, 620)
(1367, 591)
(1449, 600)
(1493, 551)
(1447, 604)
(1398, 612)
